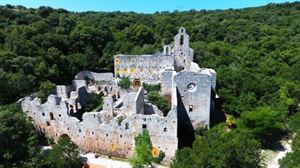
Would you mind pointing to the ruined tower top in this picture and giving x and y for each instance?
(182, 51)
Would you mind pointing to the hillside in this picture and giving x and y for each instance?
(255, 52)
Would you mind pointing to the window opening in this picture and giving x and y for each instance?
(191, 108)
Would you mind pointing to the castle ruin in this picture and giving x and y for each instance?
(110, 130)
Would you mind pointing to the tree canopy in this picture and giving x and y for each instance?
(220, 148)
(63, 154)
(142, 151)
(18, 139)
(255, 52)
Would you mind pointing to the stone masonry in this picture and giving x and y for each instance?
(111, 129)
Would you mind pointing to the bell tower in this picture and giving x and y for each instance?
(182, 51)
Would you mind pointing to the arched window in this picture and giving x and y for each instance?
(51, 116)
(181, 40)
(165, 129)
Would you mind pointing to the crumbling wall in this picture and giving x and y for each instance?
(192, 92)
(113, 138)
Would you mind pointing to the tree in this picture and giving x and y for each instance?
(151, 87)
(292, 159)
(160, 101)
(18, 139)
(95, 101)
(142, 151)
(266, 124)
(63, 154)
(294, 122)
(220, 148)
(46, 88)
(124, 83)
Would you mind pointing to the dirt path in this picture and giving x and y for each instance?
(104, 162)
(274, 163)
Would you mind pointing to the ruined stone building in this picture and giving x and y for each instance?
(110, 130)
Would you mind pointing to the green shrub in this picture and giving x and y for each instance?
(294, 122)
(220, 148)
(124, 83)
(142, 151)
(120, 120)
(266, 124)
(151, 87)
(95, 101)
(160, 101)
(46, 88)
(200, 131)
(160, 157)
(292, 159)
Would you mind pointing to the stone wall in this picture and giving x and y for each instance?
(191, 89)
(144, 67)
(183, 53)
(98, 133)
(195, 91)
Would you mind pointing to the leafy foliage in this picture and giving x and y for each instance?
(160, 157)
(160, 101)
(63, 154)
(45, 89)
(17, 138)
(294, 122)
(292, 159)
(255, 52)
(120, 120)
(124, 83)
(220, 148)
(151, 87)
(266, 124)
(95, 101)
(142, 152)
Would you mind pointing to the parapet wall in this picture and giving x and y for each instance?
(93, 133)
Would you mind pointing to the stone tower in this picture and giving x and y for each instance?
(182, 51)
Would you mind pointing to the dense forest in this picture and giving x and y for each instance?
(255, 52)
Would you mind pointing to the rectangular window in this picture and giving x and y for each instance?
(144, 126)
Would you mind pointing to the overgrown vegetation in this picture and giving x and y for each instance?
(46, 88)
(266, 124)
(142, 151)
(220, 148)
(143, 154)
(120, 120)
(124, 83)
(255, 52)
(18, 139)
(160, 101)
(151, 87)
(95, 101)
(292, 159)
(159, 158)
(63, 154)
(19, 144)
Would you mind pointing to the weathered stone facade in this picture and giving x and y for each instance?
(125, 113)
